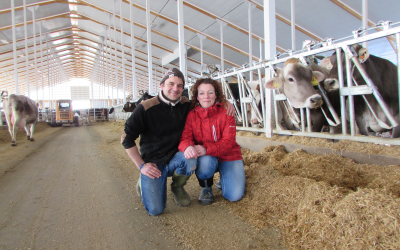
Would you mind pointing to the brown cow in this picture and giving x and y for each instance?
(21, 112)
(295, 81)
(383, 74)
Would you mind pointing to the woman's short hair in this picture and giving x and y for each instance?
(216, 84)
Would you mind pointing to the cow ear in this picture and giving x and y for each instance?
(326, 63)
(318, 76)
(363, 55)
(273, 83)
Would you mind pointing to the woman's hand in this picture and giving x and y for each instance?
(190, 153)
(201, 151)
(230, 108)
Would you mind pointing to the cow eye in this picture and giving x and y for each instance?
(291, 79)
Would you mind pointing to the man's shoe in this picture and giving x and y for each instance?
(181, 197)
(206, 196)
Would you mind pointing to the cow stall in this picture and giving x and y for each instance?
(343, 119)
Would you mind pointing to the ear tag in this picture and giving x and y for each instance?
(314, 81)
(276, 85)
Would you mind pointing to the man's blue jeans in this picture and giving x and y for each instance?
(231, 174)
(154, 191)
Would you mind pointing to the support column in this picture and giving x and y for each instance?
(270, 51)
(201, 37)
(134, 83)
(181, 38)
(26, 51)
(149, 52)
(293, 23)
(121, 23)
(249, 7)
(222, 24)
(14, 46)
(365, 19)
(32, 9)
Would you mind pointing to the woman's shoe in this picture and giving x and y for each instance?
(206, 196)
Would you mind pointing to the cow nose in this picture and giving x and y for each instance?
(316, 100)
(330, 82)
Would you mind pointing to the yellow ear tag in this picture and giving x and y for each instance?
(276, 85)
(314, 81)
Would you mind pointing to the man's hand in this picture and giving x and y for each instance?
(201, 151)
(151, 170)
(190, 153)
(230, 108)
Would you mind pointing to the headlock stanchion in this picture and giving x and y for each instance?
(269, 110)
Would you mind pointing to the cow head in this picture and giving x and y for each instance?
(332, 82)
(295, 81)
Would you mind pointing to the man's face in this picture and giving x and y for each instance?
(172, 88)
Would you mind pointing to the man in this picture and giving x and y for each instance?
(159, 122)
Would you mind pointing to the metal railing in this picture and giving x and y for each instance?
(269, 111)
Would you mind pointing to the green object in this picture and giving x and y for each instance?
(181, 197)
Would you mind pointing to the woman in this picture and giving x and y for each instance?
(209, 138)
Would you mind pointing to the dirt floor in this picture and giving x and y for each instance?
(75, 188)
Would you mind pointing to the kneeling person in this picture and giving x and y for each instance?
(159, 122)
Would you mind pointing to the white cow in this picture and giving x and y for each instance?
(21, 112)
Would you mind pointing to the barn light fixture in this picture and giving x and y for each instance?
(4, 41)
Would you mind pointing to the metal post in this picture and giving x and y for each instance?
(201, 37)
(181, 37)
(122, 49)
(249, 6)
(149, 51)
(365, 19)
(32, 9)
(270, 51)
(134, 81)
(115, 47)
(351, 97)
(293, 23)
(341, 85)
(221, 31)
(398, 63)
(41, 62)
(14, 46)
(26, 50)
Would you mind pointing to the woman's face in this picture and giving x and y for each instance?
(206, 95)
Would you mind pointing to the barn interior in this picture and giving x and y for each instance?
(315, 190)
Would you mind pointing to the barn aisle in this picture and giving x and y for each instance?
(74, 188)
(66, 194)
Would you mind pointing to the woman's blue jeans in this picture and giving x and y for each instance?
(231, 174)
(154, 191)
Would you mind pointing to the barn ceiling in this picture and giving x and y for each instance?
(76, 38)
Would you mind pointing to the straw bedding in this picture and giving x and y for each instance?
(321, 202)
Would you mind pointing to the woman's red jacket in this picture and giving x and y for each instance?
(214, 130)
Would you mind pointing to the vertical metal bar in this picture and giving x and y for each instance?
(181, 37)
(270, 51)
(350, 98)
(26, 50)
(303, 124)
(365, 19)
(201, 37)
(341, 85)
(249, 6)
(398, 64)
(34, 48)
(122, 50)
(149, 51)
(134, 81)
(221, 31)
(261, 54)
(309, 125)
(41, 63)
(115, 47)
(14, 46)
(293, 23)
